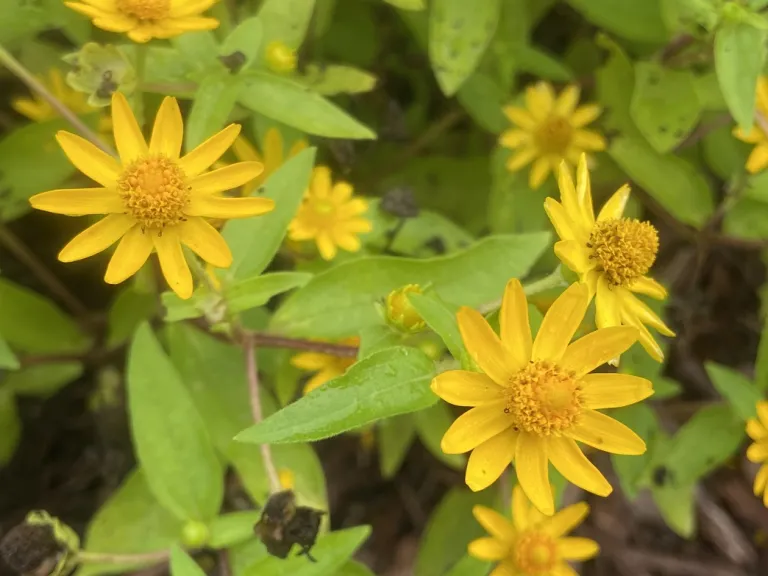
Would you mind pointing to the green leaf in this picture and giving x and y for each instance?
(182, 564)
(197, 50)
(395, 437)
(632, 470)
(459, 33)
(449, 530)
(726, 155)
(31, 323)
(255, 241)
(677, 506)
(215, 97)
(352, 568)
(332, 552)
(638, 20)
(233, 528)
(615, 82)
(130, 308)
(483, 99)
(408, 4)
(245, 555)
(389, 382)
(637, 362)
(43, 380)
(170, 438)
(377, 337)
(10, 426)
(285, 21)
(739, 59)
(740, 392)
(334, 79)
(469, 566)
(747, 218)
(257, 290)
(130, 522)
(761, 363)
(442, 319)
(7, 357)
(665, 106)
(339, 302)
(686, 15)
(293, 104)
(432, 424)
(538, 62)
(245, 39)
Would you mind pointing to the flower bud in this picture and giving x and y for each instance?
(195, 534)
(400, 312)
(280, 58)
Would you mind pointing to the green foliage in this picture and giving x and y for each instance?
(10, 425)
(394, 437)
(183, 565)
(736, 388)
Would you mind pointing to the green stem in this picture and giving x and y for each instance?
(18, 70)
(553, 280)
(108, 558)
(141, 66)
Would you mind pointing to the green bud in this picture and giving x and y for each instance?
(195, 534)
(400, 312)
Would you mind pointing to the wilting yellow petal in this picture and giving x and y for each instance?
(614, 207)
(560, 323)
(597, 348)
(648, 287)
(79, 201)
(494, 523)
(574, 255)
(172, 262)
(91, 161)
(644, 336)
(607, 305)
(484, 346)
(577, 548)
(205, 241)
(605, 433)
(131, 254)
(600, 391)
(463, 388)
(204, 156)
(566, 519)
(515, 327)
(128, 138)
(489, 460)
(489, 549)
(631, 305)
(584, 192)
(96, 238)
(570, 461)
(168, 131)
(474, 427)
(532, 467)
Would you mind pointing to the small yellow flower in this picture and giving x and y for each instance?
(287, 478)
(532, 544)
(758, 451)
(154, 200)
(272, 158)
(327, 366)
(758, 159)
(330, 216)
(281, 58)
(143, 20)
(550, 130)
(535, 399)
(611, 254)
(401, 313)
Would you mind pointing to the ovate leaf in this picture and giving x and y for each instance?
(183, 565)
(285, 21)
(483, 99)
(233, 528)
(442, 319)
(740, 392)
(335, 79)
(395, 436)
(245, 39)
(257, 290)
(469, 566)
(7, 357)
(677, 506)
(214, 100)
(43, 380)
(432, 424)
(638, 20)
(129, 309)
(387, 383)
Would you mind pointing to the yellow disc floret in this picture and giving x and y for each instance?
(554, 136)
(543, 398)
(145, 9)
(155, 192)
(535, 553)
(625, 248)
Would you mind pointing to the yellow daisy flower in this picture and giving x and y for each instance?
(330, 216)
(154, 200)
(550, 130)
(532, 544)
(758, 451)
(272, 158)
(535, 399)
(327, 366)
(611, 254)
(758, 159)
(143, 20)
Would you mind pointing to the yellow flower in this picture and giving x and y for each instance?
(400, 311)
(549, 130)
(758, 452)
(327, 366)
(611, 254)
(532, 544)
(143, 20)
(758, 159)
(154, 200)
(287, 478)
(330, 216)
(272, 158)
(280, 58)
(535, 399)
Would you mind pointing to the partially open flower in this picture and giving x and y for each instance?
(400, 312)
(758, 451)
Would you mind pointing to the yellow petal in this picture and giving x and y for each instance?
(130, 255)
(520, 116)
(515, 327)
(570, 199)
(204, 156)
(188, 24)
(566, 519)
(115, 23)
(632, 305)
(761, 480)
(494, 523)
(563, 569)
(96, 238)
(341, 192)
(326, 246)
(644, 337)
(462, 388)
(570, 461)
(297, 147)
(227, 178)
(588, 140)
(520, 158)
(584, 191)
(488, 461)
(514, 138)
(222, 207)
(168, 131)
(205, 241)
(614, 208)
(128, 138)
(348, 242)
(273, 149)
(532, 467)
(79, 202)
(319, 379)
(648, 287)
(596, 348)
(172, 262)
(540, 99)
(321, 182)
(762, 412)
(488, 549)
(575, 256)
(583, 115)
(567, 101)
(310, 361)
(520, 508)
(755, 430)
(557, 215)
(539, 172)
(577, 548)
(484, 346)
(758, 159)
(91, 161)
(758, 452)
(560, 323)
(504, 569)
(605, 433)
(475, 426)
(613, 390)
(607, 305)
(181, 8)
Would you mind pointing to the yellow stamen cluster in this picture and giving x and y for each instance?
(554, 136)
(625, 248)
(535, 553)
(145, 9)
(155, 192)
(543, 398)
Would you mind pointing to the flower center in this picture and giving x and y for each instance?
(145, 9)
(323, 207)
(535, 553)
(155, 192)
(554, 135)
(543, 398)
(625, 248)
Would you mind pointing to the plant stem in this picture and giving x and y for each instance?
(553, 280)
(272, 341)
(108, 558)
(258, 415)
(16, 68)
(141, 65)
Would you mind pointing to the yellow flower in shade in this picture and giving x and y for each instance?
(153, 199)
(549, 130)
(272, 157)
(532, 544)
(330, 216)
(611, 255)
(534, 399)
(327, 366)
(401, 313)
(758, 451)
(758, 159)
(143, 20)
